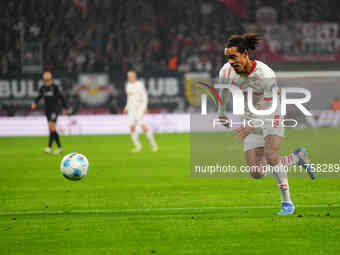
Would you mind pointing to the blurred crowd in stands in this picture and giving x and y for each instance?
(106, 35)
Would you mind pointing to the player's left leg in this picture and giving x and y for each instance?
(150, 136)
(54, 133)
(272, 156)
(299, 157)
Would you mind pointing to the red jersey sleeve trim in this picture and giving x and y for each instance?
(252, 68)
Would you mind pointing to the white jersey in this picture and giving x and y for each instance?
(261, 78)
(137, 97)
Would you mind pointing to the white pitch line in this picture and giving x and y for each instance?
(129, 210)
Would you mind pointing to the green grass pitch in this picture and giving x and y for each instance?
(147, 203)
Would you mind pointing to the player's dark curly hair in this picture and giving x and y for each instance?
(244, 42)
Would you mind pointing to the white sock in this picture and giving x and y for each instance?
(135, 139)
(281, 177)
(150, 137)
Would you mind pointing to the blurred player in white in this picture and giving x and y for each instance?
(261, 144)
(136, 108)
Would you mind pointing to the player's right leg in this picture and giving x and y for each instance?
(263, 157)
(254, 153)
(53, 116)
(256, 162)
(48, 149)
(134, 135)
(135, 139)
(54, 136)
(272, 155)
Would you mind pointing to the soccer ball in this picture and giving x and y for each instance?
(74, 166)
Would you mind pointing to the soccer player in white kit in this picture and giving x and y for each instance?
(261, 144)
(136, 108)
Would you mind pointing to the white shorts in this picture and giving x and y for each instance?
(136, 117)
(256, 139)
